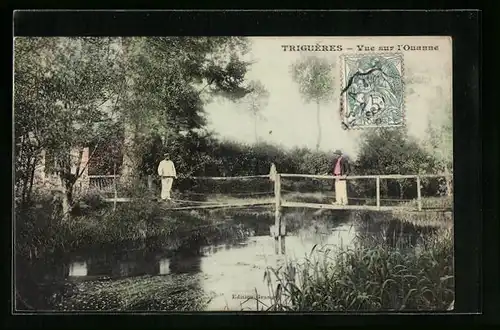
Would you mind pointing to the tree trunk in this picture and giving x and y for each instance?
(65, 199)
(255, 128)
(26, 179)
(23, 167)
(31, 180)
(66, 205)
(318, 122)
(130, 159)
(67, 180)
(401, 190)
(449, 185)
(384, 188)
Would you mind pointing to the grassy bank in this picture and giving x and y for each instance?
(41, 231)
(370, 276)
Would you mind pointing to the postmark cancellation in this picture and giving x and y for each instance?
(372, 92)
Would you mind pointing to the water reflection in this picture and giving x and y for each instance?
(185, 263)
(78, 268)
(235, 275)
(226, 274)
(104, 266)
(164, 266)
(216, 277)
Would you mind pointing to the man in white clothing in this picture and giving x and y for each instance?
(166, 171)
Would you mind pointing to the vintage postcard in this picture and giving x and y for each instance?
(157, 174)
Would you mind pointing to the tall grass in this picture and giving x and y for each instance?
(369, 276)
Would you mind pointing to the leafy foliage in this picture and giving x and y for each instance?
(74, 92)
(389, 151)
(392, 151)
(315, 79)
(61, 87)
(440, 143)
(168, 77)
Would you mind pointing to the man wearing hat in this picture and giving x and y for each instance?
(166, 171)
(341, 168)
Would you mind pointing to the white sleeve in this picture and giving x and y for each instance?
(173, 170)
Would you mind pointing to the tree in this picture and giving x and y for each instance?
(30, 106)
(439, 140)
(71, 92)
(255, 101)
(392, 151)
(439, 144)
(63, 107)
(315, 80)
(165, 80)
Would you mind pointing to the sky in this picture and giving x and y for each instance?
(291, 122)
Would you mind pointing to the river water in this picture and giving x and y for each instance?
(213, 278)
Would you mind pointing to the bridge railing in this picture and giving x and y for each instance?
(278, 230)
(377, 178)
(108, 183)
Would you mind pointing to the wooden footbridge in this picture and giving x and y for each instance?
(278, 230)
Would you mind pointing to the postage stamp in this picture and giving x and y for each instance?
(372, 92)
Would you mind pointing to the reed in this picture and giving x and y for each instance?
(370, 276)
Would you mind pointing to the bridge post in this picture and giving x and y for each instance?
(419, 194)
(378, 192)
(277, 215)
